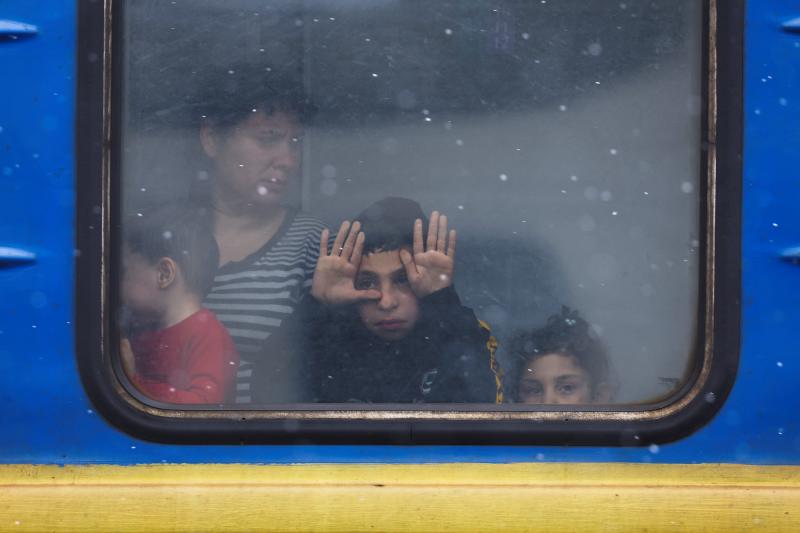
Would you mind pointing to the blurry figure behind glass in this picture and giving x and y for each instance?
(178, 351)
(251, 131)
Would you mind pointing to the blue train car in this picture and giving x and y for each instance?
(86, 110)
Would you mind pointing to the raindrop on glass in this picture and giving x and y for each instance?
(595, 49)
(329, 171)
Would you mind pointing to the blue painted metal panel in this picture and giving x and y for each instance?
(46, 418)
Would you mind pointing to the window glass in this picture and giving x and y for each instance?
(561, 140)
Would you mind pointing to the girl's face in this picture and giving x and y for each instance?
(554, 378)
(256, 160)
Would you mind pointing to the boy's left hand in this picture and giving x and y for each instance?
(430, 269)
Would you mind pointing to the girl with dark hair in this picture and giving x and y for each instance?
(561, 363)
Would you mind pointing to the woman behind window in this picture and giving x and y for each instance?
(251, 128)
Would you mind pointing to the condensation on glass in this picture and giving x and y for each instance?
(562, 140)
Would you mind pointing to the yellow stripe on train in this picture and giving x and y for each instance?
(451, 497)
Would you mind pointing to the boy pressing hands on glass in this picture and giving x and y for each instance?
(386, 324)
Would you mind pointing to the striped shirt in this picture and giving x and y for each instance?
(254, 297)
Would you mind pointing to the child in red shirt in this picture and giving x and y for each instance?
(180, 353)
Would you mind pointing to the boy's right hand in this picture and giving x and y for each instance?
(335, 273)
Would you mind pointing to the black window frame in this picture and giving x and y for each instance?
(683, 412)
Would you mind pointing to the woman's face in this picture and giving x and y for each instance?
(256, 160)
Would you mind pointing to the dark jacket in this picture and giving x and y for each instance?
(448, 357)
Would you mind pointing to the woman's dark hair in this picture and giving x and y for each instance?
(229, 95)
(182, 233)
(388, 224)
(565, 333)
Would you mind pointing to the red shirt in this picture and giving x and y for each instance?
(193, 361)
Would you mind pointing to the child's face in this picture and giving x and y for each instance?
(395, 314)
(140, 292)
(556, 379)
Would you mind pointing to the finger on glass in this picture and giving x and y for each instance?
(418, 248)
(433, 225)
(440, 240)
(451, 245)
(408, 262)
(358, 248)
(338, 244)
(323, 242)
(347, 249)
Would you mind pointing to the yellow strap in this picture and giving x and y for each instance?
(491, 345)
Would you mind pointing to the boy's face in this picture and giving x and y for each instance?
(555, 379)
(395, 314)
(140, 292)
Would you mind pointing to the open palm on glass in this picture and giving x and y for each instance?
(430, 268)
(335, 273)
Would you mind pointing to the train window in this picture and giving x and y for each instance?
(331, 213)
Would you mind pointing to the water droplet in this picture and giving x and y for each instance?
(774, 224)
(613, 151)
(503, 177)
(329, 171)
(780, 431)
(526, 36)
(262, 190)
(374, 75)
(595, 49)
(606, 196)
(328, 187)
(562, 107)
(459, 142)
(167, 234)
(654, 448)
(687, 187)
(460, 207)
(540, 457)
(614, 213)
(783, 101)
(448, 31)
(710, 397)
(573, 178)
(779, 364)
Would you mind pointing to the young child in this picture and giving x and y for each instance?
(561, 363)
(179, 353)
(386, 323)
